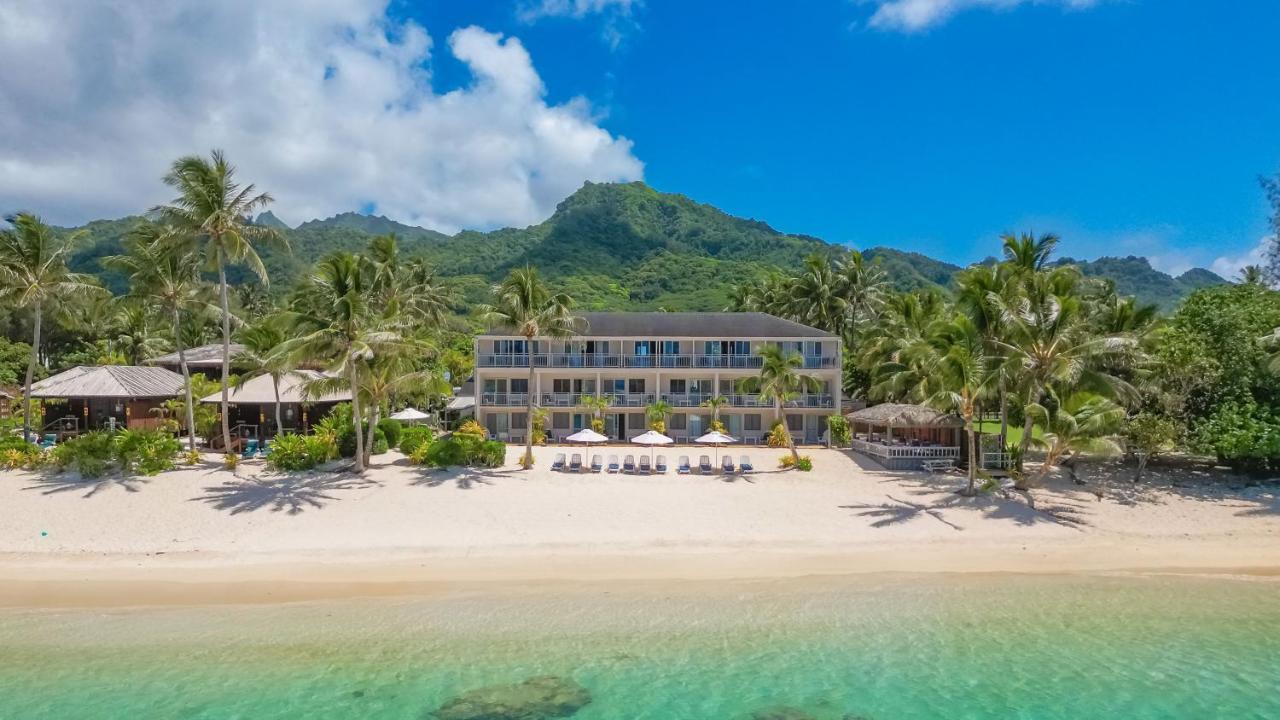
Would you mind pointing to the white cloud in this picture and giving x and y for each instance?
(1229, 266)
(619, 15)
(327, 104)
(917, 15)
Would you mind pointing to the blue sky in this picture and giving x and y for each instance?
(1126, 126)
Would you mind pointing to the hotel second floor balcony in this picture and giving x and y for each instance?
(610, 361)
(641, 400)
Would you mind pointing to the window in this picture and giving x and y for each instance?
(619, 386)
(646, 347)
(678, 421)
(495, 386)
(635, 421)
(560, 386)
(560, 421)
(670, 347)
(520, 385)
(508, 347)
(678, 387)
(751, 423)
(519, 421)
(795, 423)
(635, 386)
(813, 349)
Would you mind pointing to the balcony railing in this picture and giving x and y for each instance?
(637, 400)
(657, 362)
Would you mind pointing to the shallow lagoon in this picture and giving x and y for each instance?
(889, 647)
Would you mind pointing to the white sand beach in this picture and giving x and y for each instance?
(206, 534)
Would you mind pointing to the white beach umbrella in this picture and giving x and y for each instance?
(716, 438)
(651, 438)
(587, 436)
(410, 414)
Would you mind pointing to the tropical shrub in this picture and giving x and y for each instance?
(538, 428)
(413, 437)
(658, 426)
(380, 444)
(17, 453)
(777, 436)
(1147, 435)
(146, 452)
(805, 463)
(474, 429)
(491, 454)
(461, 450)
(444, 453)
(231, 461)
(291, 453)
(597, 424)
(90, 454)
(391, 429)
(191, 457)
(1242, 435)
(838, 427)
(718, 426)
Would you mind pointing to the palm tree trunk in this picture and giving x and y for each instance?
(973, 456)
(1027, 426)
(1004, 415)
(527, 461)
(357, 419)
(275, 385)
(791, 442)
(31, 373)
(186, 379)
(226, 354)
(373, 426)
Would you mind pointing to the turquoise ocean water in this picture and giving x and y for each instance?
(873, 647)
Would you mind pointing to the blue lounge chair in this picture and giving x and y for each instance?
(250, 448)
(644, 465)
(682, 468)
(628, 464)
(704, 465)
(596, 463)
(744, 464)
(265, 450)
(48, 441)
(575, 463)
(726, 464)
(558, 463)
(613, 463)
(660, 465)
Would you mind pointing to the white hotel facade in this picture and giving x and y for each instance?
(641, 357)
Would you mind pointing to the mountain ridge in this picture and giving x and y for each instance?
(615, 246)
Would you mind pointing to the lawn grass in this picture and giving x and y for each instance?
(1014, 436)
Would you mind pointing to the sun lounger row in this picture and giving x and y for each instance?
(644, 467)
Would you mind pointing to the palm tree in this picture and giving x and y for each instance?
(960, 373)
(216, 209)
(163, 270)
(816, 298)
(657, 413)
(262, 355)
(597, 405)
(134, 340)
(1253, 275)
(864, 286)
(780, 381)
(976, 289)
(522, 303)
(1028, 253)
(1084, 423)
(34, 274)
(715, 403)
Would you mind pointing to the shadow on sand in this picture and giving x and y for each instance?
(73, 483)
(465, 478)
(290, 494)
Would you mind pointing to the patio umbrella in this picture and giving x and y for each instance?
(651, 438)
(586, 436)
(716, 438)
(410, 415)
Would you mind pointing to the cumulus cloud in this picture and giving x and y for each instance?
(619, 15)
(917, 15)
(1229, 266)
(327, 104)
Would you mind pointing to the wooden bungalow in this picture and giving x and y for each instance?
(252, 405)
(202, 360)
(903, 437)
(6, 405)
(94, 397)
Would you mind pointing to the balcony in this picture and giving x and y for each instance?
(640, 400)
(656, 362)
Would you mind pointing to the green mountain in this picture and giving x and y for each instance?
(621, 246)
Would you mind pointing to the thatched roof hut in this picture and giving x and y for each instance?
(896, 415)
(110, 381)
(260, 391)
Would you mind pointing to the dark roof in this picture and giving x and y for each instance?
(728, 325)
(110, 381)
(202, 356)
(900, 415)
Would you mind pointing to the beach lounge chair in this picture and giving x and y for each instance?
(250, 448)
(660, 465)
(682, 467)
(613, 463)
(558, 463)
(726, 464)
(575, 463)
(48, 441)
(597, 463)
(628, 464)
(265, 450)
(645, 468)
(704, 465)
(744, 464)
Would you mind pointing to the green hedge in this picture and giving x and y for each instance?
(413, 437)
(142, 452)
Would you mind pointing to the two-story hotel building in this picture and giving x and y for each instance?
(637, 358)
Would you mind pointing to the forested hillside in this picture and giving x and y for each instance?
(619, 246)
